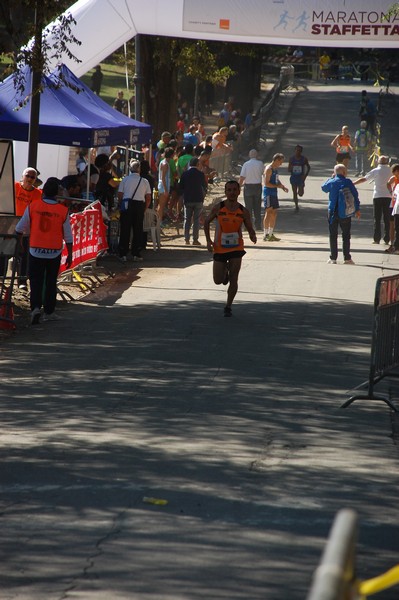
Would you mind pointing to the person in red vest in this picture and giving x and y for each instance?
(47, 223)
(25, 192)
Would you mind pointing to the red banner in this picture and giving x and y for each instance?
(89, 236)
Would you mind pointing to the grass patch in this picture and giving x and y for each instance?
(114, 80)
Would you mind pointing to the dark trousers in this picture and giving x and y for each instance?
(43, 273)
(345, 225)
(131, 220)
(23, 259)
(381, 209)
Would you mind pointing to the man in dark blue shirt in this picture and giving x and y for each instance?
(192, 186)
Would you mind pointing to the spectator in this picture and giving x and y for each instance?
(343, 203)
(191, 137)
(164, 182)
(25, 192)
(96, 80)
(134, 196)
(106, 184)
(381, 176)
(45, 248)
(251, 177)
(192, 187)
(324, 63)
(120, 104)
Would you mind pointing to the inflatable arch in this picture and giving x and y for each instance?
(103, 26)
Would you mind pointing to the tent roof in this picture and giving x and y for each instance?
(67, 117)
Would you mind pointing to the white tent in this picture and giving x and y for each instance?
(102, 26)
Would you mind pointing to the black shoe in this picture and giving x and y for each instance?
(227, 311)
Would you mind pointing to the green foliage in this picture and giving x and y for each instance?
(200, 62)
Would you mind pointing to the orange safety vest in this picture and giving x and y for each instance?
(228, 234)
(47, 224)
(24, 197)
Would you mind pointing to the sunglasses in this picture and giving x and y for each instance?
(30, 176)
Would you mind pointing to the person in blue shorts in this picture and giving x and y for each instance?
(271, 183)
(298, 168)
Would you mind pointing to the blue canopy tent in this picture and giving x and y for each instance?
(70, 114)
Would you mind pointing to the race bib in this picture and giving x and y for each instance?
(229, 240)
(343, 149)
(297, 170)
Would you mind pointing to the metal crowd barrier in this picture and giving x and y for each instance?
(220, 161)
(385, 339)
(9, 249)
(334, 578)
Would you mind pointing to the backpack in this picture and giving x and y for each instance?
(346, 203)
(361, 138)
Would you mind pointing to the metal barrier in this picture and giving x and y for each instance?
(251, 137)
(334, 578)
(9, 249)
(385, 339)
(220, 161)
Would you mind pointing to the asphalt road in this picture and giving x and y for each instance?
(146, 391)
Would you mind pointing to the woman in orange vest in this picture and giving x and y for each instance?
(342, 144)
(47, 222)
(228, 244)
(25, 192)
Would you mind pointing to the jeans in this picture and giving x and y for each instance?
(192, 213)
(131, 220)
(43, 273)
(253, 202)
(345, 225)
(381, 209)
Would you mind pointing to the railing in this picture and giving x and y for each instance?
(385, 339)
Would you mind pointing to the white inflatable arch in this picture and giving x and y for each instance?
(102, 26)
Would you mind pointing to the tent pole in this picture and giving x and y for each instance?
(127, 81)
(88, 175)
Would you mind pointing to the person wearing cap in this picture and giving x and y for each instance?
(134, 196)
(381, 197)
(47, 222)
(251, 178)
(298, 167)
(192, 187)
(25, 192)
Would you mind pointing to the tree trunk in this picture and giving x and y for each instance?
(160, 84)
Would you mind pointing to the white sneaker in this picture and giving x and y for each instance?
(35, 316)
(123, 259)
(51, 317)
(349, 262)
(331, 261)
(137, 258)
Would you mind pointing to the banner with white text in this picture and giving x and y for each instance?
(360, 23)
(89, 236)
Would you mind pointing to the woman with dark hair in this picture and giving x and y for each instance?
(106, 184)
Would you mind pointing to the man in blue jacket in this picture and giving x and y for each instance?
(343, 204)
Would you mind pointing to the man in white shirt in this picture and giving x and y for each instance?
(134, 196)
(381, 197)
(251, 177)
